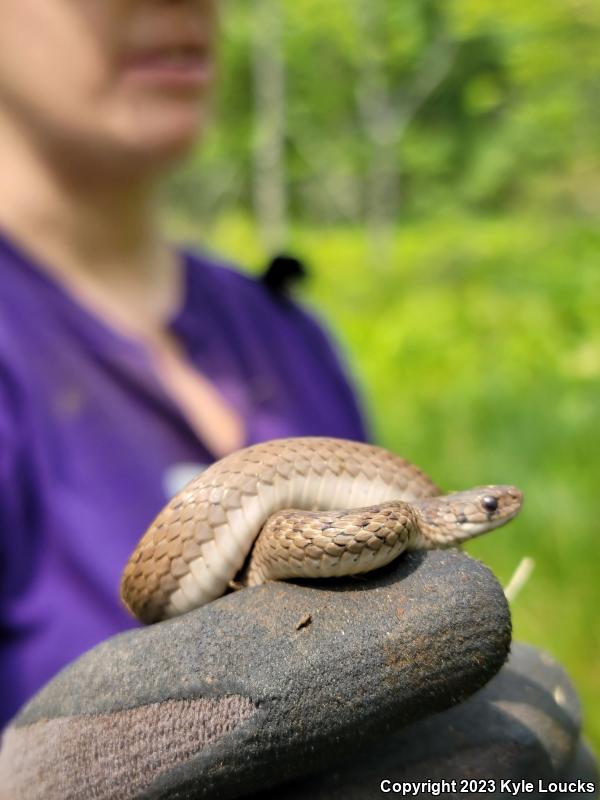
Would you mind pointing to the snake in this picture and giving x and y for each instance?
(299, 507)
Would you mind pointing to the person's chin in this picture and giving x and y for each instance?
(171, 137)
(160, 137)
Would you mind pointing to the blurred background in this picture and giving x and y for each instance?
(436, 164)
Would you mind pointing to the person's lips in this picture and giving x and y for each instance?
(179, 65)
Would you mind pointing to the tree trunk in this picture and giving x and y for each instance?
(269, 177)
(385, 113)
(378, 118)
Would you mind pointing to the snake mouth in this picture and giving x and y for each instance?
(474, 528)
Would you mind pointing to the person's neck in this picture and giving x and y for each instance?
(97, 237)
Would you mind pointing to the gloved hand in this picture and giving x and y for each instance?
(262, 686)
(519, 736)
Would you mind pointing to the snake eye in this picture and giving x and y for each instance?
(490, 503)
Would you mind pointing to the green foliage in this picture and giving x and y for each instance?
(513, 121)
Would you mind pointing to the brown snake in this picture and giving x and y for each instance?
(284, 497)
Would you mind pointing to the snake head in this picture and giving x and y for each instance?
(453, 518)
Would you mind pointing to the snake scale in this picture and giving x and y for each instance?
(298, 507)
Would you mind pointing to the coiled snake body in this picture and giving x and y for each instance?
(282, 500)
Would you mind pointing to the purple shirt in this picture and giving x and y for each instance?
(91, 446)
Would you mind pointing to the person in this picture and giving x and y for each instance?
(126, 364)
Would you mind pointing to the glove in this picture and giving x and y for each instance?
(523, 727)
(264, 686)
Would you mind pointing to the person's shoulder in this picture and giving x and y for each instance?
(267, 290)
(261, 309)
(263, 303)
(274, 281)
(207, 265)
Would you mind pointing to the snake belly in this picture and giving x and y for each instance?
(199, 542)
